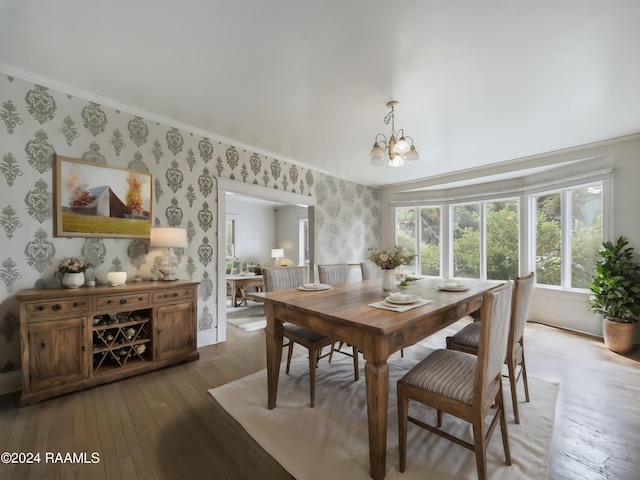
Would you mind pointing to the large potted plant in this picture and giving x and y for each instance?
(615, 289)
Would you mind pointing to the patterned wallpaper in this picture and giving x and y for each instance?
(38, 123)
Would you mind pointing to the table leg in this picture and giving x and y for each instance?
(274, 335)
(377, 378)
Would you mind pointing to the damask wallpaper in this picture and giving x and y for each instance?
(38, 123)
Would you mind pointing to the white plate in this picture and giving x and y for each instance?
(314, 287)
(458, 288)
(408, 301)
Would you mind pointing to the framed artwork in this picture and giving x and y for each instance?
(94, 200)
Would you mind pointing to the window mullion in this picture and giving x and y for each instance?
(566, 231)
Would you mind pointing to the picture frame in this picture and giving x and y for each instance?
(96, 200)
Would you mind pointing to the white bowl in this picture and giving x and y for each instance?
(116, 278)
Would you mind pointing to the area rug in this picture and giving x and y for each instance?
(331, 439)
(249, 318)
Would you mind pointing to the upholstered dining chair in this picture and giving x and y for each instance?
(370, 270)
(466, 340)
(283, 278)
(463, 385)
(333, 274)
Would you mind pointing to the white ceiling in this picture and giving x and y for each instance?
(307, 81)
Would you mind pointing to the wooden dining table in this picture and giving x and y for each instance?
(343, 312)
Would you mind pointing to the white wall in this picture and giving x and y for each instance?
(255, 231)
(287, 230)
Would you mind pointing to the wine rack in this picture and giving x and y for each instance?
(119, 339)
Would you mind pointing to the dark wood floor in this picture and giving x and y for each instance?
(164, 425)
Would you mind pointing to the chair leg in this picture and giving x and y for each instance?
(289, 355)
(503, 427)
(356, 372)
(480, 444)
(312, 375)
(524, 378)
(513, 379)
(403, 407)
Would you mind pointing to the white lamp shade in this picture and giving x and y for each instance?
(402, 146)
(277, 253)
(396, 162)
(412, 154)
(168, 237)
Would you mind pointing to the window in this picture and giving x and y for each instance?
(568, 233)
(229, 242)
(303, 241)
(484, 239)
(466, 240)
(420, 226)
(503, 222)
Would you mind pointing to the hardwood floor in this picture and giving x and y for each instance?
(164, 424)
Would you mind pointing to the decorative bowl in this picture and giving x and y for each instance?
(115, 279)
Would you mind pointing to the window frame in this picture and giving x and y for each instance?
(526, 227)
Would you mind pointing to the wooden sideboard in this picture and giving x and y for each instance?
(77, 338)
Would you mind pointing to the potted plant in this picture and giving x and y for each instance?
(615, 289)
(388, 261)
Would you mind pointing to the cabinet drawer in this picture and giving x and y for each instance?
(67, 306)
(178, 294)
(115, 303)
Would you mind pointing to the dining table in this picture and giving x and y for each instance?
(238, 282)
(345, 312)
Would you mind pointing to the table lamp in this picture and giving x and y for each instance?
(168, 238)
(277, 253)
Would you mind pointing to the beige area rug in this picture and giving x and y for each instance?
(249, 318)
(331, 440)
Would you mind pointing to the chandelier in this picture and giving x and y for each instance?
(398, 148)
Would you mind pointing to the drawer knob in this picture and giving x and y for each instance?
(56, 307)
(40, 307)
(123, 301)
(175, 294)
(42, 344)
(75, 304)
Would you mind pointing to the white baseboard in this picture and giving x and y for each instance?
(10, 382)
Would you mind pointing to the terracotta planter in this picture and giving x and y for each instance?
(618, 337)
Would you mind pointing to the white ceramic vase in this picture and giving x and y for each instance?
(388, 280)
(73, 280)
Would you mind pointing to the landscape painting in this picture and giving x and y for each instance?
(94, 200)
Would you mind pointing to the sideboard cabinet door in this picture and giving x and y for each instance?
(175, 330)
(57, 352)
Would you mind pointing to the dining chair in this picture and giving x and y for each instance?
(283, 278)
(370, 270)
(466, 340)
(463, 385)
(333, 274)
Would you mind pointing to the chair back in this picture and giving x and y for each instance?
(283, 278)
(520, 307)
(370, 270)
(494, 329)
(333, 274)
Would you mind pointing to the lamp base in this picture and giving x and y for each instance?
(170, 276)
